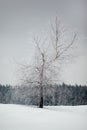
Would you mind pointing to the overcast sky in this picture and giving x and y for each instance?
(19, 19)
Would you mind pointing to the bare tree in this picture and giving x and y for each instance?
(49, 54)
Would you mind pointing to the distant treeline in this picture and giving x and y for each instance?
(53, 95)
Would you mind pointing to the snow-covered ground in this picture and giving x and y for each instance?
(19, 117)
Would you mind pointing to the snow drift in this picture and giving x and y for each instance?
(19, 117)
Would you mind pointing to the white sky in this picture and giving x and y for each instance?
(21, 18)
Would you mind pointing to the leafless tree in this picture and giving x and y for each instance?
(49, 54)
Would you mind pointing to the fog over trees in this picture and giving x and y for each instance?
(40, 78)
(60, 95)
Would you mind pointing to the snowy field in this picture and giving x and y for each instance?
(19, 117)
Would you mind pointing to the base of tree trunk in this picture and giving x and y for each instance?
(41, 103)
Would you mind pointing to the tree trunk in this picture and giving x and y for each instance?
(41, 97)
(41, 103)
(41, 82)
